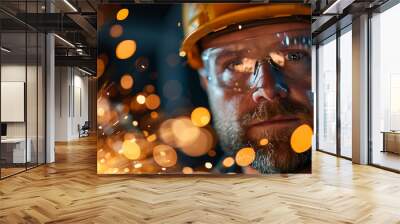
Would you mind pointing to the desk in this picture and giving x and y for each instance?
(15, 148)
(391, 141)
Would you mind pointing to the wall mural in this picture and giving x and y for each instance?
(204, 89)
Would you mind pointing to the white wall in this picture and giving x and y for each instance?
(33, 127)
(12, 73)
(71, 102)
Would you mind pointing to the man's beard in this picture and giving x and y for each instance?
(275, 157)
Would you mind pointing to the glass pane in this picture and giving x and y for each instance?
(41, 98)
(346, 94)
(13, 86)
(31, 97)
(385, 86)
(327, 96)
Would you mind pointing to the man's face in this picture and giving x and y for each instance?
(259, 86)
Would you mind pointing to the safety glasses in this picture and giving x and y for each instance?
(240, 64)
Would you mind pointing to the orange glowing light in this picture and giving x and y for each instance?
(301, 139)
(100, 67)
(152, 101)
(165, 132)
(263, 141)
(184, 132)
(200, 145)
(152, 138)
(149, 88)
(154, 115)
(141, 99)
(228, 162)
(200, 117)
(116, 31)
(182, 53)
(122, 14)
(129, 136)
(145, 133)
(126, 81)
(125, 49)
(100, 112)
(126, 170)
(187, 170)
(165, 155)
(211, 153)
(245, 156)
(130, 149)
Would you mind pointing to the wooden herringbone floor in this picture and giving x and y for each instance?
(69, 191)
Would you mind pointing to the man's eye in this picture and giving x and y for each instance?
(233, 64)
(295, 56)
(244, 65)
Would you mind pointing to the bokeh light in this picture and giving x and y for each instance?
(165, 132)
(152, 138)
(100, 111)
(116, 31)
(212, 153)
(200, 116)
(100, 67)
(135, 123)
(125, 49)
(140, 99)
(141, 64)
(184, 131)
(165, 155)
(245, 156)
(263, 141)
(187, 170)
(131, 149)
(208, 165)
(126, 81)
(122, 14)
(228, 162)
(301, 139)
(154, 115)
(200, 145)
(149, 88)
(152, 101)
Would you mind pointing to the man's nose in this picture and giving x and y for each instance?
(268, 83)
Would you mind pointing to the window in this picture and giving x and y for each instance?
(385, 89)
(22, 77)
(346, 93)
(327, 96)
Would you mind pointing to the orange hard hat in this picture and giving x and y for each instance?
(201, 19)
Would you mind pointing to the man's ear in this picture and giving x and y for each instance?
(203, 78)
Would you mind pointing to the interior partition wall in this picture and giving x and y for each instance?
(22, 77)
(334, 94)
